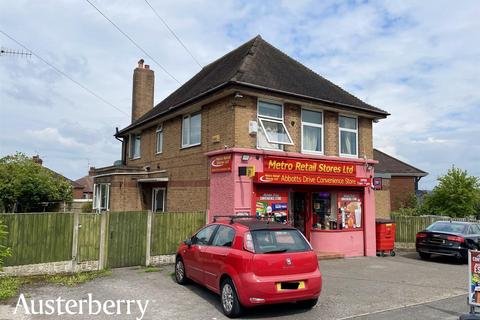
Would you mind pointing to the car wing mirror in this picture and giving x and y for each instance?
(188, 242)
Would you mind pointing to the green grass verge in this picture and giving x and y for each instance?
(152, 269)
(9, 286)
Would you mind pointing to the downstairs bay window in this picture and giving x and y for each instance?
(101, 197)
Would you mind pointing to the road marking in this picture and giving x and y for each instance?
(397, 308)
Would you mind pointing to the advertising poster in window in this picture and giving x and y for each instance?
(349, 210)
(272, 205)
(474, 277)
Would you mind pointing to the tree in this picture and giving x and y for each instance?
(24, 184)
(456, 195)
(4, 251)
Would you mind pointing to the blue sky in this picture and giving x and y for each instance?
(419, 60)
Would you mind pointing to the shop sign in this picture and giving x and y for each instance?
(349, 210)
(290, 165)
(377, 183)
(295, 178)
(221, 163)
(474, 277)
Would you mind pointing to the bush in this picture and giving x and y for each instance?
(4, 250)
(9, 287)
(87, 207)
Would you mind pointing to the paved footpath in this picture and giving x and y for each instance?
(402, 287)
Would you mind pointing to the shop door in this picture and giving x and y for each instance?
(300, 212)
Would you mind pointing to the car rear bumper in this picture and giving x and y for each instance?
(254, 290)
(457, 252)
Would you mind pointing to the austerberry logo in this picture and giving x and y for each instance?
(88, 306)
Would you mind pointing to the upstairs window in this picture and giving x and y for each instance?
(272, 133)
(348, 128)
(191, 130)
(159, 148)
(135, 145)
(312, 131)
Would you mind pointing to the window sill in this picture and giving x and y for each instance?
(137, 158)
(190, 146)
(354, 156)
(158, 153)
(318, 153)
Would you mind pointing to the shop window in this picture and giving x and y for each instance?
(272, 133)
(159, 148)
(101, 197)
(158, 200)
(191, 130)
(348, 136)
(135, 140)
(336, 211)
(224, 237)
(312, 131)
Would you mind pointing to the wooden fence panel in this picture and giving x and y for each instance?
(89, 237)
(127, 237)
(169, 229)
(38, 237)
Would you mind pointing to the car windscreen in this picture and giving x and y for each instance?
(448, 227)
(279, 241)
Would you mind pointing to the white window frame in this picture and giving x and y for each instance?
(159, 133)
(189, 116)
(316, 125)
(154, 199)
(97, 198)
(132, 144)
(272, 119)
(340, 129)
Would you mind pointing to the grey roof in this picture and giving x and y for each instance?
(257, 64)
(393, 166)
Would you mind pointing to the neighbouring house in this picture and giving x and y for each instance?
(254, 132)
(396, 182)
(77, 188)
(87, 183)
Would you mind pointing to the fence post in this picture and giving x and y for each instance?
(149, 237)
(103, 245)
(76, 223)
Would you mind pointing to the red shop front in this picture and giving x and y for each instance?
(330, 202)
(329, 199)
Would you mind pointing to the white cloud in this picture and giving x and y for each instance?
(418, 60)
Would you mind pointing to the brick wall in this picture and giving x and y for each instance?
(382, 200)
(186, 168)
(365, 138)
(401, 188)
(331, 133)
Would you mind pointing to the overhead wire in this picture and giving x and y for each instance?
(63, 73)
(133, 42)
(173, 33)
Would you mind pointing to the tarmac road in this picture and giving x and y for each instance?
(401, 287)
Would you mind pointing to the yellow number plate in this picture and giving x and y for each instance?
(301, 285)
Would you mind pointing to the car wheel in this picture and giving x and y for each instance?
(180, 275)
(230, 304)
(308, 304)
(392, 253)
(424, 256)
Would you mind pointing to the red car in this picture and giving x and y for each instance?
(251, 262)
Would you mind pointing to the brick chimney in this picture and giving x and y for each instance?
(143, 86)
(91, 171)
(36, 159)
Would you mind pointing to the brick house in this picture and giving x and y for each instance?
(395, 183)
(254, 132)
